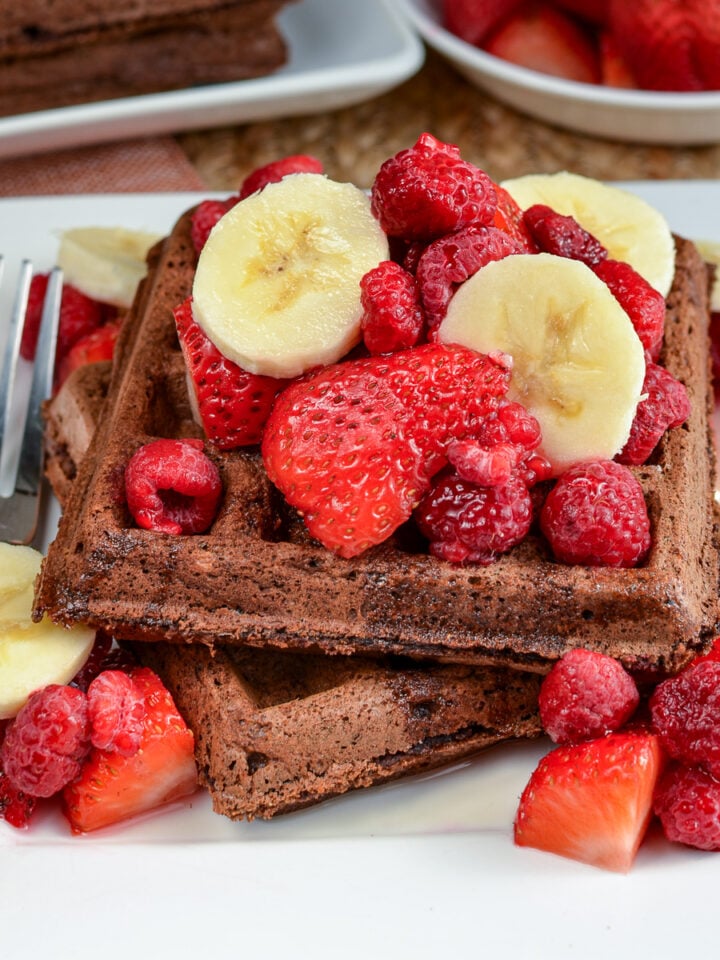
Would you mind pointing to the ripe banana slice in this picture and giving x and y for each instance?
(578, 364)
(32, 655)
(277, 283)
(630, 228)
(105, 263)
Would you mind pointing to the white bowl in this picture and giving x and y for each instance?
(640, 116)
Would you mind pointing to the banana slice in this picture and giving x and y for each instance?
(630, 228)
(18, 567)
(710, 252)
(32, 655)
(578, 364)
(277, 283)
(105, 263)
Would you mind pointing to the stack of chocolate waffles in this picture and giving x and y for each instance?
(304, 675)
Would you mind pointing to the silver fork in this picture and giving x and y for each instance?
(21, 427)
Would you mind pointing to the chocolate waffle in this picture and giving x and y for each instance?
(258, 579)
(54, 55)
(276, 731)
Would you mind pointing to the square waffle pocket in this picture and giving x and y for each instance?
(256, 578)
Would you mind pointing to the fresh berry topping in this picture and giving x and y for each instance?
(46, 743)
(428, 190)
(172, 487)
(16, 807)
(509, 218)
(642, 303)
(466, 523)
(112, 787)
(687, 801)
(79, 316)
(449, 261)
(586, 695)
(539, 37)
(666, 405)
(276, 170)
(392, 316)
(685, 712)
(205, 216)
(596, 515)
(562, 235)
(116, 710)
(94, 347)
(592, 801)
(232, 404)
(354, 446)
(472, 20)
(594, 11)
(712, 654)
(614, 69)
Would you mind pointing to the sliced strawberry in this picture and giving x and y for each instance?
(592, 802)
(614, 69)
(541, 38)
(231, 403)
(354, 446)
(95, 346)
(669, 44)
(112, 788)
(594, 11)
(79, 316)
(472, 20)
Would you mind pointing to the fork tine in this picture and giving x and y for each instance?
(12, 349)
(31, 448)
(19, 512)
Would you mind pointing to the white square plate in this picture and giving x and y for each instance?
(420, 869)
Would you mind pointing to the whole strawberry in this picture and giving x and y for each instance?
(353, 447)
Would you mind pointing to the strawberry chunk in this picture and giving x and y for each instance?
(112, 787)
(231, 403)
(94, 347)
(538, 37)
(592, 802)
(472, 20)
(354, 446)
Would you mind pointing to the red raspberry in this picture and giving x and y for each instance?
(79, 316)
(687, 801)
(502, 446)
(428, 190)
(642, 303)
(712, 654)
(45, 745)
(466, 523)
(116, 711)
(449, 261)
(685, 711)
(272, 172)
(392, 316)
(172, 487)
(205, 216)
(596, 515)
(562, 235)
(667, 406)
(586, 695)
